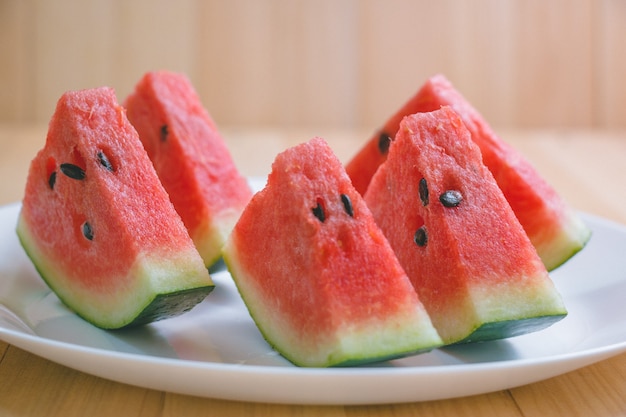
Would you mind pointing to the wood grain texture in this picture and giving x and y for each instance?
(572, 394)
(346, 63)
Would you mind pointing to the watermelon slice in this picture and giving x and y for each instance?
(472, 265)
(556, 231)
(190, 157)
(317, 275)
(98, 225)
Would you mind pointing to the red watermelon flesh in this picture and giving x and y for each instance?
(363, 165)
(554, 228)
(317, 274)
(455, 235)
(98, 225)
(190, 157)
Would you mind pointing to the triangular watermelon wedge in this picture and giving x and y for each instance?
(190, 157)
(554, 228)
(457, 238)
(317, 274)
(98, 225)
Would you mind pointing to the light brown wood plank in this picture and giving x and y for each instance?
(61, 391)
(497, 404)
(610, 62)
(16, 71)
(592, 391)
(347, 63)
(180, 405)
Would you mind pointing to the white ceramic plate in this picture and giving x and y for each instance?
(216, 350)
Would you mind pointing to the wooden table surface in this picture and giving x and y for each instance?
(587, 167)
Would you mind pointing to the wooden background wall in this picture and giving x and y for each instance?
(340, 63)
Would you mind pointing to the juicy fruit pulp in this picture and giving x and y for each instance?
(190, 157)
(455, 235)
(317, 275)
(555, 230)
(98, 225)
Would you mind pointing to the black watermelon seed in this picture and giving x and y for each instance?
(318, 211)
(421, 237)
(384, 141)
(73, 171)
(164, 133)
(104, 161)
(87, 231)
(52, 179)
(451, 198)
(347, 205)
(423, 191)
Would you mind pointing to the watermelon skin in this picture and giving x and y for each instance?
(323, 293)
(476, 273)
(190, 157)
(554, 228)
(135, 262)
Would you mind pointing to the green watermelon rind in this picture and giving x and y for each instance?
(172, 304)
(506, 311)
(210, 238)
(337, 357)
(572, 237)
(505, 329)
(154, 300)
